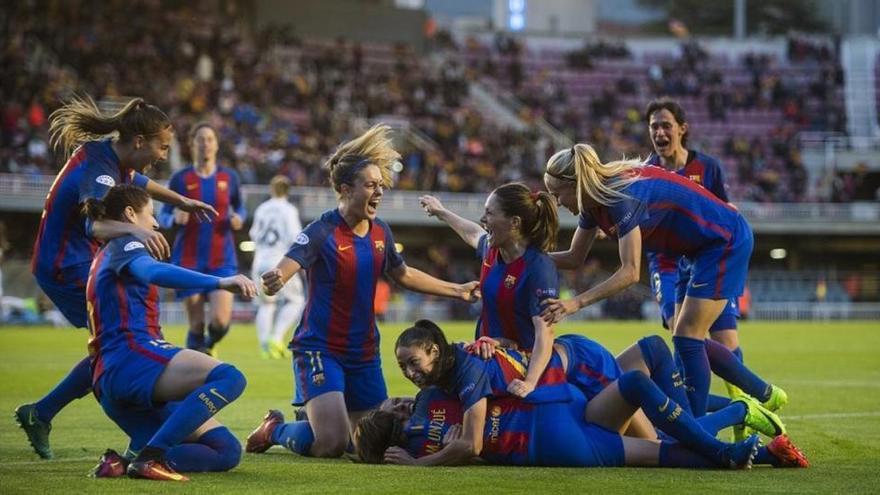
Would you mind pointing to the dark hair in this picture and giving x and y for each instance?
(666, 103)
(80, 120)
(197, 127)
(424, 334)
(537, 210)
(374, 433)
(114, 203)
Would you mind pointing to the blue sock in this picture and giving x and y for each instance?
(717, 402)
(216, 334)
(637, 389)
(75, 385)
(673, 454)
(695, 367)
(216, 450)
(726, 365)
(223, 385)
(765, 457)
(296, 437)
(738, 352)
(195, 338)
(733, 414)
(663, 371)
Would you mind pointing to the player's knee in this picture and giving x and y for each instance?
(654, 351)
(329, 445)
(631, 385)
(234, 380)
(228, 448)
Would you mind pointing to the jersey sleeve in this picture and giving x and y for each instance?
(586, 221)
(543, 283)
(483, 246)
(307, 245)
(625, 215)
(393, 259)
(235, 196)
(471, 379)
(719, 188)
(125, 250)
(140, 180)
(95, 183)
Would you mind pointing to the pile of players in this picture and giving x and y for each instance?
(490, 400)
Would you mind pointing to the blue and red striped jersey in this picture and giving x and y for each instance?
(509, 427)
(343, 269)
(64, 248)
(205, 246)
(119, 306)
(676, 216)
(706, 171)
(513, 293)
(475, 378)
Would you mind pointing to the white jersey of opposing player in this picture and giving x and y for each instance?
(276, 225)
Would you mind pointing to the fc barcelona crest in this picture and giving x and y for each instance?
(380, 246)
(509, 281)
(222, 185)
(318, 379)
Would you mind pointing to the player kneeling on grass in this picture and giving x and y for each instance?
(543, 429)
(162, 396)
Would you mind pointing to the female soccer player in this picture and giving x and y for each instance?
(517, 275)
(67, 242)
(135, 371)
(649, 208)
(206, 247)
(276, 225)
(427, 359)
(336, 364)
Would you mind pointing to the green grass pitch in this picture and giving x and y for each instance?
(831, 372)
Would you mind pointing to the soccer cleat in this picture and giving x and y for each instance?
(778, 399)
(733, 391)
(277, 350)
(741, 455)
(260, 439)
(153, 469)
(741, 432)
(759, 418)
(36, 429)
(111, 465)
(787, 453)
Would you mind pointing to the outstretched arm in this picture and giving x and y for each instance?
(574, 257)
(274, 279)
(147, 270)
(154, 241)
(630, 250)
(189, 205)
(419, 281)
(470, 232)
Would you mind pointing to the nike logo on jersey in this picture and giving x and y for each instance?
(697, 286)
(344, 248)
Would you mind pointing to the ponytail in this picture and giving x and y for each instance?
(370, 148)
(537, 210)
(80, 120)
(602, 183)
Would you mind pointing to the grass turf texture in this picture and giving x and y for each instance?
(831, 372)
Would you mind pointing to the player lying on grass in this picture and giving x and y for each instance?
(136, 373)
(421, 431)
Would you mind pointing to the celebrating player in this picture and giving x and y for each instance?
(66, 242)
(648, 207)
(276, 225)
(517, 275)
(136, 373)
(206, 247)
(336, 363)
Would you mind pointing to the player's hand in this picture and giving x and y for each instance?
(601, 235)
(155, 243)
(520, 388)
(203, 211)
(470, 291)
(431, 205)
(235, 222)
(557, 309)
(239, 284)
(452, 434)
(272, 281)
(483, 347)
(397, 455)
(180, 217)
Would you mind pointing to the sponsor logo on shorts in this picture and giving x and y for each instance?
(105, 180)
(697, 286)
(494, 424)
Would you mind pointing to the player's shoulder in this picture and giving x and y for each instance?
(229, 171)
(125, 244)
(319, 228)
(707, 160)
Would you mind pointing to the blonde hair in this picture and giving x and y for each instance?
(280, 186)
(79, 120)
(601, 182)
(370, 148)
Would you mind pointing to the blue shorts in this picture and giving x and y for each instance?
(726, 320)
(69, 298)
(130, 369)
(591, 367)
(561, 437)
(720, 271)
(223, 271)
(317, 372)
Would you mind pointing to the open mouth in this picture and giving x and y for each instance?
(373, 205)
(661, 145)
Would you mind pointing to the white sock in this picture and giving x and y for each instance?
(288, 317)
(265, 317)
